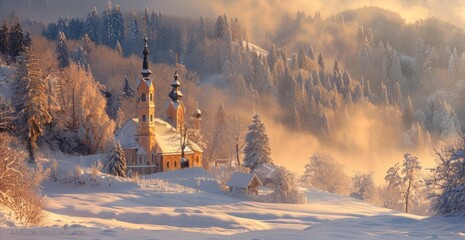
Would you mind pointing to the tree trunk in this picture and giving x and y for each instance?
(407, 196)
(30, 150)
(237, 154)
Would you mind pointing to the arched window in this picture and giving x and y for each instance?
(175, 163)
(151, 118)
(144, 118)
(198, 159)
(167, 164)
(142, 97)
(151, 97)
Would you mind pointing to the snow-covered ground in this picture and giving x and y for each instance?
(172, 206)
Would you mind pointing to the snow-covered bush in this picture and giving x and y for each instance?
(325, 173)
(363, 185)
(286, 189)
(95, 170)
(78, 175)
(19, 184)
(446, 183)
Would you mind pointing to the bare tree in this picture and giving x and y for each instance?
(236, 131)
(405, 178)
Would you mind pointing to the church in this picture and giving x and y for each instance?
(154, 144)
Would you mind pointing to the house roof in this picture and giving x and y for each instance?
(242, 180)
(265, 170)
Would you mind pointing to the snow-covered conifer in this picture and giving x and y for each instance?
(118, 48)
(127, 90)
(133, 28)
(91, 27)
(4, 32)
(15, 40)
(257, 149)
(30, 100)
(117, 161)
(62, 51)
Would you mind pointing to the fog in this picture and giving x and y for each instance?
(260, 16)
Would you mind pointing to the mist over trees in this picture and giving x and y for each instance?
(365, 83)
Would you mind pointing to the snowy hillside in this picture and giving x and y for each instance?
(170, 204)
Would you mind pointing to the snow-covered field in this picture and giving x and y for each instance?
(171, 206)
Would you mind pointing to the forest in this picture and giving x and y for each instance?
(362, 96)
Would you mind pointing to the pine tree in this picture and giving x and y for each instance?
(127, 90)
(30, 100)
(133, 28)
(62, 51)
(311, 53)
(119, 49)
(117, 161)
(202, 29)
(107, 31)
(86, 43)
(407, 115)
(302, 59)
(220, 27)
(15, 41)
(321, 63)
(117, 25)
(453, 64)
(91, 27)
(257, 149)
(27, 41)
(4, 33)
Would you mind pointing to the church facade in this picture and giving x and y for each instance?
(155, 144)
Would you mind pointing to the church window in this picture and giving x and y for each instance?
(198, 159)
(144, 118)
(151, 97)
(167, 164)
(175, 163)
(142, 97)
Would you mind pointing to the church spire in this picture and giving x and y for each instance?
(145, 65)
(175, 93)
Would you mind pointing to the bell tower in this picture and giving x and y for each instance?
(146, 111)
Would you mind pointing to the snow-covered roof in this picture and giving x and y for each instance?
(168, 138)
(126, 134)
(265, 170)
(242, 180)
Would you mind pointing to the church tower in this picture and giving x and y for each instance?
(176, 109)
(146, 112)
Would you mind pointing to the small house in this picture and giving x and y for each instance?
(244, 183)
(265, 173)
